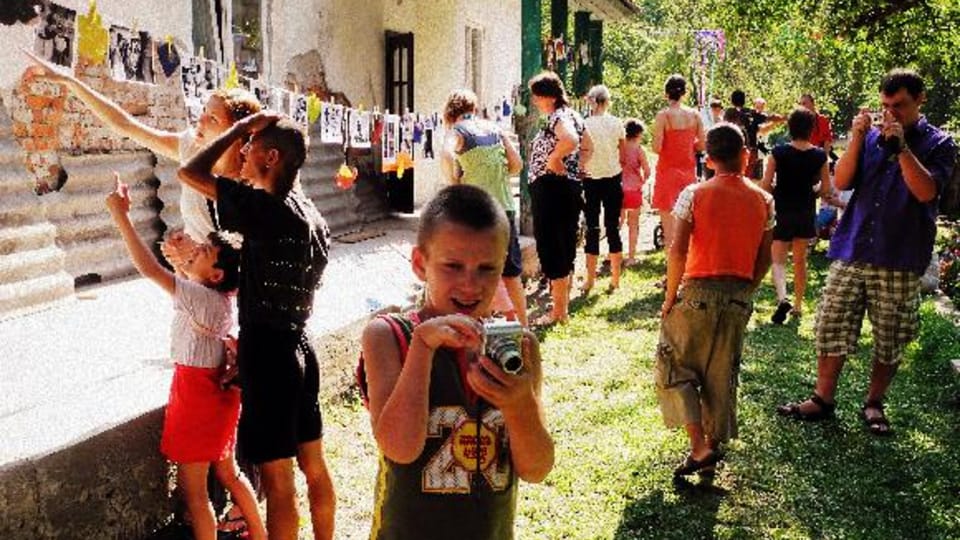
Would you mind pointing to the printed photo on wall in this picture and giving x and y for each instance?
(55, 35)
(391, 138)
(359, 124)
(169, 58)
(331, 123)
(199, 79)
(131, 55)
(298, 109)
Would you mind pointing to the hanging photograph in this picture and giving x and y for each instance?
(193, 74)
(391, 136)
(359, 129)
(55, 35)
(131, 55)
(298, 109)
(331, 124)
(169, 58)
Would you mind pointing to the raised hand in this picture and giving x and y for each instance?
(118, 201)
(43, 69)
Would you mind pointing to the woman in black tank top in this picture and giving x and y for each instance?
(795, 173)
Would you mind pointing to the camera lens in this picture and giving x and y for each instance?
(504, 351)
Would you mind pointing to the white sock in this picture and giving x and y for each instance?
(780, 281)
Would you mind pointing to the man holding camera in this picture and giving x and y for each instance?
(897, 168)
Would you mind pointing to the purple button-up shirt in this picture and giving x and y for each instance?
(884, 224)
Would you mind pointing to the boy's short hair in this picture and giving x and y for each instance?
(898, 78)
(459, 102)
(465, 205)
(732, 115)
(288, 138)
(228, 259)
(716, 104)
(725, 146)
(633, 127)
(800, 123)
(239, 102)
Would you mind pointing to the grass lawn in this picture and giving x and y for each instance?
(781, 479)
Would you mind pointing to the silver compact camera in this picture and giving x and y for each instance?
(502, 344)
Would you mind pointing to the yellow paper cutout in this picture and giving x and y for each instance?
(313, 108)
(233, 79)
(92, 37)
(346, 176)
(404, 161)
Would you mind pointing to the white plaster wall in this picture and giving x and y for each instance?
(439, 28)
(175, 18)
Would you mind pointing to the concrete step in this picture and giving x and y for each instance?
(96, 226)
(26, 238)
(102, 259)
(95, 172)
(25, 265)
(34, 294)
(19, 209)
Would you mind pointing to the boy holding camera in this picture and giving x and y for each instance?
(455, 430)
(721, 256)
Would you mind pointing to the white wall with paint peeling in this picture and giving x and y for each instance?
(174, 19)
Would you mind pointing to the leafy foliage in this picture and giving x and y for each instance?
(835, 49)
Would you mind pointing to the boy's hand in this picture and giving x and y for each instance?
(259, 121)
(452, 331)
(118, 202)
(668, 304)
(503, 390)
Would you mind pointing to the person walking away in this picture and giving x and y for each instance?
(881, 247)
(602, 186)
(636, 171)
(477, 152)
(678, 135)
(720, 256)
(801, 172)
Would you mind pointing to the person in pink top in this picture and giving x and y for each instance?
(636, 170)
(677, 136)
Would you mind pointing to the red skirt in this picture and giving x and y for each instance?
(632, 199)
(200, 423)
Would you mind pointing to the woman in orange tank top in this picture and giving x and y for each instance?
(677, 136)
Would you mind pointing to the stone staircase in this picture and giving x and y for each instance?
(94, 250)
(31, 265)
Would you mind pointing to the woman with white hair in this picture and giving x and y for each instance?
(602, 187)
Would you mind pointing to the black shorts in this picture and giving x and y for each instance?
(280, 379)
(513, 266)
(793, 224)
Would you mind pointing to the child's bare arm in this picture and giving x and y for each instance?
(676, 263)
(768, 172)
(399, 390)
(644, 164)
(118, 203)
(518, 398)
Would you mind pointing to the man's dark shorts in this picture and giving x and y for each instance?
(280, 378)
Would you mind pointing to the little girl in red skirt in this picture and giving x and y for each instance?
(636, 171)
(200, 423)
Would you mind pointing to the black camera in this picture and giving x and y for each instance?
(501, 343)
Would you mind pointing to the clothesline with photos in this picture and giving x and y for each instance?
(133, 55)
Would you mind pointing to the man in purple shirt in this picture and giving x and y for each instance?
(882, 245)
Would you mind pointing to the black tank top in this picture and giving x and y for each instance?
(797, 172)
(447, 492)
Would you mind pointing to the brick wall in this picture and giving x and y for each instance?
(47, 122)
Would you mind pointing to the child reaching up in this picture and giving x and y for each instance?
(721, 251)
(453, 429)
(200, 422)
(636, 171)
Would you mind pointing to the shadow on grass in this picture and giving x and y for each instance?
(689, 512)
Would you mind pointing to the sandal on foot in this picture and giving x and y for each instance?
(878, 425)
(780, 315)
(690, 465)
(233, 523)
(824, 412)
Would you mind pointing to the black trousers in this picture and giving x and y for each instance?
(556, 203)
(606, 193)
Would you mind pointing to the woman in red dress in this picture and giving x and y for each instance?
(677, 136)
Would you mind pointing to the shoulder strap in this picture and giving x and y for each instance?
(402, 326)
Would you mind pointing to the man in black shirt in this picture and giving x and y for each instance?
(284, 253)
(752, 120)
